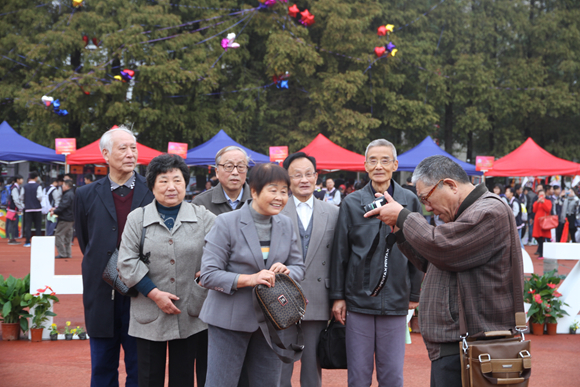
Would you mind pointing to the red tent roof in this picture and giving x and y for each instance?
(91, 154)
(330, 156)
(529, 159)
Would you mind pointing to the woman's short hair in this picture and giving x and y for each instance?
(434, 168)
(165, 163)
(264, 174)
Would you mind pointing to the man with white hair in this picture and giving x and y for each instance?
(232, 191)
(100, 212)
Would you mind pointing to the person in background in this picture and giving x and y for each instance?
(516, 208)
(314, 222)
(568, 201)
(332, 195)
(531, 198)
(64, 227)
(164, 316)
(499, 191)
(409, 185)
(33, 194)
(246, 248)
(89, 178)
(15, 206)
(101, 211)
(54, 196)
(375, 326)
(542, 207)
(208, 185)
(318, 191)
(519, 192)
(232, 192)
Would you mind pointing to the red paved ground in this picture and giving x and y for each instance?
(556, 359)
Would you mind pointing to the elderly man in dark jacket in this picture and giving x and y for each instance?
(64, 227)
(101, 210)
(375, 326)
(474, 251)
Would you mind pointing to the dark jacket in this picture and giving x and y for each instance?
(353, 238)
(66, 206)
(215, 200)
(96, 228)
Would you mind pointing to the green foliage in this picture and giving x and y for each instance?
(42, 303)
(14, 297)
(541, 293)
(477, 75)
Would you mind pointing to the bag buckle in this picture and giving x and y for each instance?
(525, 353)
(521, 331)
(485, 360)
(465, 345)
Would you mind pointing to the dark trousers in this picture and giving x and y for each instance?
(12, 228)
(182, 356)
(559, 231)
(29, 218)
(105, 351)
(446, 372)
(573, 228)
(540, 250)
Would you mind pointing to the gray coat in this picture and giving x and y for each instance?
(175, 258)
(316, 282)
(215, 200)
(232, 247)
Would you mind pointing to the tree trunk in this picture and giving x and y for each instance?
(448, 128)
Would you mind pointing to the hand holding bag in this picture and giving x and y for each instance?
(548, 222)
(496, 358)
(279, 307)
(331, 350)
(111, 273)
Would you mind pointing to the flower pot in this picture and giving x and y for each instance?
(36, 334)
(82, 336)
(53, 336)
(551, 328)
(572, 331)
(537, 329)
(10, 331)
(415, 324)
(68, 336)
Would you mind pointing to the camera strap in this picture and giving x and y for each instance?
(390, 240)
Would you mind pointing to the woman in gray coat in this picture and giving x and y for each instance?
(246, 248)
(165, 313)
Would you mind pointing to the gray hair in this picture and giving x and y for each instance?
(381, 142)
(107, 141)
(218, 155)
(434, 168)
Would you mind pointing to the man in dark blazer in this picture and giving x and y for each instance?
(313, 222)
(232, 192)
(101, 211)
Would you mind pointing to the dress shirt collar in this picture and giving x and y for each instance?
(234, 203)
(309, 202)
(129, 183)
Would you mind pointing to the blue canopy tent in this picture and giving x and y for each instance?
(409, 160)
(17, 149)
(204, 154)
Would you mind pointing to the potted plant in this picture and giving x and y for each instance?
(14, 297)
(574, 327)
(554, 312)
(539, 292)
(81, 333)
(68, 335)
(53, 332)
(42, 303)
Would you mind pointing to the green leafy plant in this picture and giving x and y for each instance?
(541, 293)
(53, 329)
(67, 329)
(575, 325)
(14, 298)
(42, 303)
(79, 331)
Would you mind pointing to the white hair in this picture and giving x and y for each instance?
(218, 155)
(107, 141)
(381, 142)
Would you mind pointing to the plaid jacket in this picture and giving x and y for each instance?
(475, 249)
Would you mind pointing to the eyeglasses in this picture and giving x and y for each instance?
(374, 162)
(425, 199)
(298, 177)
(230, 167)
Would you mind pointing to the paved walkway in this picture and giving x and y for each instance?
(556, 359)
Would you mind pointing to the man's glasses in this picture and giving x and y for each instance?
(374, 162)
(298, 177)
(425, 199)
(230, 167)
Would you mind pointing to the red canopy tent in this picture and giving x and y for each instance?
(529, 159)
(91, 154)
(330, 156)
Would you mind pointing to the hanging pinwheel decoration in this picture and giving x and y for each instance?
(126, 75)
(281, 81)
(390, 47)
(306, 18)
(229, 42)
(55, 105)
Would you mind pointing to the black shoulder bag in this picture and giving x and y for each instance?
(111, 273)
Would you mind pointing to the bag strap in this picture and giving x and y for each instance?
(520, 314)
(390, 240)
(288, 354)
(143, 257)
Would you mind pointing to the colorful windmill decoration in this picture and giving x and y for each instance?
(269, 3)
(126, 75)
(281, 81)
(228, 42)
(77, 3)
(55, 105)
(390, 48)
(306, 18)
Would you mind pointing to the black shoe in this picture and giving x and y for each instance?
(536, 253)
(58, 256)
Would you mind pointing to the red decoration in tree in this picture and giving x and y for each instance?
(382, 31)
(379, 51)
(95, 42)
(307, 18)
(86, 39)
(293, 11)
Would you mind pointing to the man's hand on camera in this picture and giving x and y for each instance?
(388, 213)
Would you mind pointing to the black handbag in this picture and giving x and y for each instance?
(331, 350)
(111, 273)
(280, 307)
